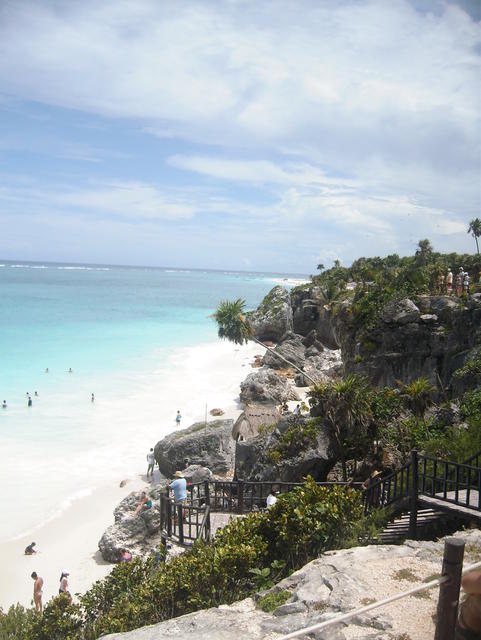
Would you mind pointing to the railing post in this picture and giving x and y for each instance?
(413, 499)
(449, 591)
(240, 496)
(180, 520)
(207, 492)
(168, 505)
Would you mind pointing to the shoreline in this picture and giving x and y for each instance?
(69, 540)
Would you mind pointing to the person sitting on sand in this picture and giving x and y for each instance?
(125, 556)
(37, 591)
(144, 503)
(30, 549)
(469, 621)
(63, 586)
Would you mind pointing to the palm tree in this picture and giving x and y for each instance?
(234, 326)
(345, 407)
(418, 395)
(475, 230)
(423, 253)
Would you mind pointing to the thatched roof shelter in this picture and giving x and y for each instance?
(253, 416)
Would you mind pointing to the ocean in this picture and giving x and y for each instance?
(140, 339)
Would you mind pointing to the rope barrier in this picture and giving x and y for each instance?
(375, 605)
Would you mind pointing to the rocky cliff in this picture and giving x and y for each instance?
(338, 582)
(430, 337)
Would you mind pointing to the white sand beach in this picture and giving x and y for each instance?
(208, 374)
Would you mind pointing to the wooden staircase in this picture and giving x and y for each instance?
(429, 521)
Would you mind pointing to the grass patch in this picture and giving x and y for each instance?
(366, 601)
(271, 601)
(406, 574)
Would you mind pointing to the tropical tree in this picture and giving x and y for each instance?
(234, 326)
(344, 407)
(475, 230)
(423, 253)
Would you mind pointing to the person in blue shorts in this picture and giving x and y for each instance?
(178, 418)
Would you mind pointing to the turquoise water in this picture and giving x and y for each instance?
(126, 333)
(93, 319)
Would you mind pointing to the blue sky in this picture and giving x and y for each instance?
(237, 134)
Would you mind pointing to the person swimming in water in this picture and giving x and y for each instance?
(4, 404)
(29, 401)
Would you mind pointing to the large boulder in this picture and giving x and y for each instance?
(253, 457)
(131, 532)
(400, 312)
(273, 318)
(265, 386)
(208, 445)
(291, 348)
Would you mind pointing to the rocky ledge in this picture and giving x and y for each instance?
(336, 583)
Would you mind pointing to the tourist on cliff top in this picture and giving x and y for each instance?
(150, 463)
(30, 549)
(37, 591)
(440, 282)
(144, 503)
(459, 281)
(469, 622)
(466, 282)
(449, 282)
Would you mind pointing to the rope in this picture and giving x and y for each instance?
(375, 605)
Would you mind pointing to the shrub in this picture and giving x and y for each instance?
(250, 552)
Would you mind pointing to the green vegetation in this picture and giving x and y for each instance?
(256, 550)
(271, 601)
(381, 280)
(296, 439)
(345, 410)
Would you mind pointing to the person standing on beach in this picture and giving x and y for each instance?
(150, 463)
(37, 591)
(29, 402)
(92, 399)
(63, 586)
(178, 418)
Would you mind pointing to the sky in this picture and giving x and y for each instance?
(238, 134)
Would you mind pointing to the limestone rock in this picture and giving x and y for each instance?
(273, 318)
(265, 386)
(253, 462)
(129, 531)
(209, 446)
(338, 582)
(400, 312)
(291, 348)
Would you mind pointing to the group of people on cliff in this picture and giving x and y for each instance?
(453, 285)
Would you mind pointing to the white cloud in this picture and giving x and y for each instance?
(361, 116)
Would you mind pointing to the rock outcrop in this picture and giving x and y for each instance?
(131, 532)
(273, 318)
(253, 461)
(265, 386)
(210, 446)
(430, 337)
(336, 583)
